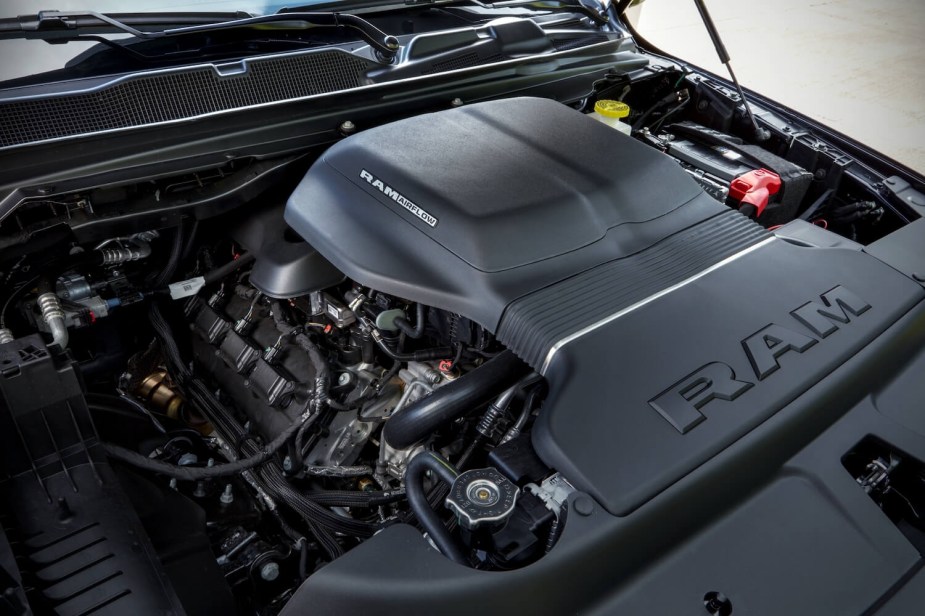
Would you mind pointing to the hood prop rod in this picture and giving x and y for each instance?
(761, 134)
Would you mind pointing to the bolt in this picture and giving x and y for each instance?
(287, 464)
(583, 505)
(227, 496)
(717, 604)
(344, 378)
(64, 510)
(348, 127)
(269, 572)
(173, 483)
(210, 462)
(200, 490)
(457, 102)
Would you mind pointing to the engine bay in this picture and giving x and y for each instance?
(474, 325)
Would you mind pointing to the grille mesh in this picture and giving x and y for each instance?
(174, 96)
(463, 61)
(565, 42)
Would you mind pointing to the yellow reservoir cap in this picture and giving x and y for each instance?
(612, 109)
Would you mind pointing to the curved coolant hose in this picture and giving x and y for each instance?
(417, 498)
(422, 355)
(412, 332)
(421, 418)
(515, 430)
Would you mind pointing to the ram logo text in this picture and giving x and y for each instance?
(682, 404)
(398, 198)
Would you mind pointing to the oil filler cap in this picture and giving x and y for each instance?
(482, 498)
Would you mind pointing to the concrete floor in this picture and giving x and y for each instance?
(856, 65)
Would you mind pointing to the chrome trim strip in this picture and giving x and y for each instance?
(613, 317)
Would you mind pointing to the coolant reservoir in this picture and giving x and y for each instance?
(612, 113)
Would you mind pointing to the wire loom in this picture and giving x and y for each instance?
(259, 461)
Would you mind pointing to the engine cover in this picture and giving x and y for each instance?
(647, 395)
(472, 208)
(706, 378)
(647, 305)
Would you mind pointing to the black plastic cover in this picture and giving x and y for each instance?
(470, 208)
(285, 265)
(774, 522)
(627, 415)
(702, 407)
(904, 250)
(73, 531)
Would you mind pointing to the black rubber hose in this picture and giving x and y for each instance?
(195, 473)
(667, 100)
(412, 332)
(367, 348)
(309, 509)
(421, 418)
(423, 355)
(173, 259)
(345, 498)
(417, 498)
(232, 266)
(303, 559)
(190, 241)
(168, 343)
(321, 522)
(517, 428)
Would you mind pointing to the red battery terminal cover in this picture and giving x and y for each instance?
(753, 190)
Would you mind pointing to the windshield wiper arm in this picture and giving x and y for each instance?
(590, 8)
(51, 25)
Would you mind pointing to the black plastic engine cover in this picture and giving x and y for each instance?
(643, 398)
(683, 495)
(705, 378)
(469, 209)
